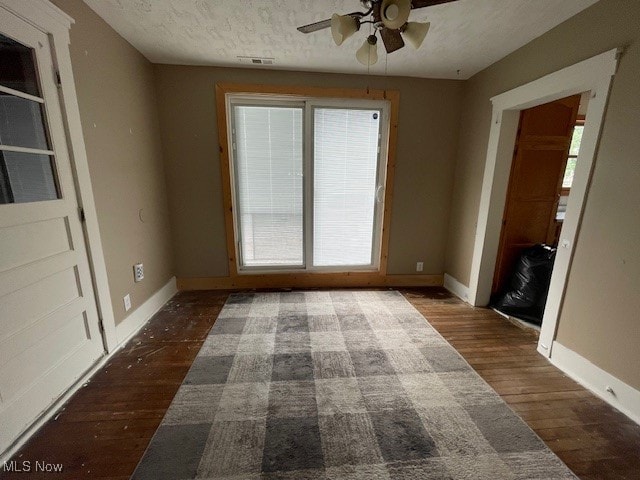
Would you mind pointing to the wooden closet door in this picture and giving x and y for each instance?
(539, 161)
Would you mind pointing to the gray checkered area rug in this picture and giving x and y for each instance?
(338, 385)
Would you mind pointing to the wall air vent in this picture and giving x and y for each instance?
(256, 60)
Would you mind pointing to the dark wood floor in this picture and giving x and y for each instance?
(102, 432)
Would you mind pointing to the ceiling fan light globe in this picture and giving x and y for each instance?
(395, 13)
(414, 33)
(367, 54)
(342, 27)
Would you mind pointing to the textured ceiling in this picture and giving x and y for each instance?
(465, 36)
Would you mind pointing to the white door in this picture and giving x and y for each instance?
(49, 326)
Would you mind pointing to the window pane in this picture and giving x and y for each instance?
(17, 68)
(576, 139)
(25, 177)
(345, 173)
(574, 150)
(569, 171)
(268, 162)
(21, 123)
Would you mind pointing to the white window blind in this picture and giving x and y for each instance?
(29, 178)
(268, 162)
(344, 192)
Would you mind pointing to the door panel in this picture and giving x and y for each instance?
(554, 119)
(23, 243)
(42, 356)
(15, 344)
(536, 173)
(345, 181)
(540, 157)
(23, 276)
(52, 292)
(268, 167)
(49, 326)
(530, 221)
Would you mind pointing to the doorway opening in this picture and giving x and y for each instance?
(544, 160)
(593, 75)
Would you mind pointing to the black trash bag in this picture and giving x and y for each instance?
(526, 295)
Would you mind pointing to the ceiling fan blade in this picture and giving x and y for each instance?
(392, 39)
(428, 3)
(314, 27)
(322, 24)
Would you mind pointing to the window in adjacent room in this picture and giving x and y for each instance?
(574, 149)
(567, 180)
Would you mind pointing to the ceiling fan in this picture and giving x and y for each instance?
(388, 17)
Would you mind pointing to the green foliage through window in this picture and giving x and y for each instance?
(569, 171)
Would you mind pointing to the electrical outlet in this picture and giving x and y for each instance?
(419, 266)
(127, 302)
(138, 272)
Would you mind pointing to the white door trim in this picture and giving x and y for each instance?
(54, 22)
(595, 75)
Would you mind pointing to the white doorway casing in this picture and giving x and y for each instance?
(592, 75)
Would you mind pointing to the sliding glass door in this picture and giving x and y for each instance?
(268, 166)
(308, 183)
(345, 179)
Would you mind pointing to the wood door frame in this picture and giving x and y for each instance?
(55, 23)
(595, 75)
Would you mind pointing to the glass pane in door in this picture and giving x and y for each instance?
(345, 166)
(22, 123)
(268, 172)
(26, 177)
(27, 169)
(17, 68)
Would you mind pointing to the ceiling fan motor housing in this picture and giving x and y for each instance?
(395, 13)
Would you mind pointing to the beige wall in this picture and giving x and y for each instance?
(116, 95)
(427, 137)
(599, 319)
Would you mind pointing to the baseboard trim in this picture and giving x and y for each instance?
(307, 280)
(624, 397)
(458, 289)
(141, 315)
(125, 330)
